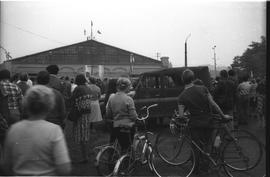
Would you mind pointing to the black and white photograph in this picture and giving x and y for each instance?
(133, 88)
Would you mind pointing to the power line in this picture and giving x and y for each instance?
(30, 32)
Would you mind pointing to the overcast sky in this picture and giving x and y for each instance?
(141, 26)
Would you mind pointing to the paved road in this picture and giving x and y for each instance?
(100, 138)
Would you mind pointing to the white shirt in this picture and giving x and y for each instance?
(35, 147)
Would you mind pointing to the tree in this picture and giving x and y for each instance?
(253, 59)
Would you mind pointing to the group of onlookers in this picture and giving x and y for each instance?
(240, 96)
(230, 98)
(36, 115)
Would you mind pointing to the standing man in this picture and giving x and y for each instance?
(55, 82)
(224, 93)
(14, 95)
(57, 114)
(243, 91)
(198, 101)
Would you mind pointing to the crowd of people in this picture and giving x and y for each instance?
(33, 117)
(241, 96)
(231, 97)
(35, 113)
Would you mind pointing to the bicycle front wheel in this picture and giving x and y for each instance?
(172, 148)
(124, 166)
(242, 153)
(181, 163)
(106, 160)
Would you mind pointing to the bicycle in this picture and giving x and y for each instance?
(106, 158)
(139, 152)
(177, 149)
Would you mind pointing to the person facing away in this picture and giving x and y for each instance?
(121, 109)
(95, 107)
(57, 114)
(81, 101)
(243, 91)
(55, 82)
(225, 93)
(35, 146)
(23, 83)
(14, 95)
(198, 101)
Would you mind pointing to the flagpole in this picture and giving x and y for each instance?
(91, 30)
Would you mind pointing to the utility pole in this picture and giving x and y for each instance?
(158, 55)
(215, 62)
(91, 30)
(186, 49)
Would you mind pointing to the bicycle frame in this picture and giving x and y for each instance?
(221, 130)
(139, 137)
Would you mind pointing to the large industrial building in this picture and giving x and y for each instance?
(95, 57)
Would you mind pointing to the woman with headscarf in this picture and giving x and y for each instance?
(81, 99)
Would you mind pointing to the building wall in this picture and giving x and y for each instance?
(73, 58)
(110, 71)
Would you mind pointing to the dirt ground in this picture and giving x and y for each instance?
(102, 137)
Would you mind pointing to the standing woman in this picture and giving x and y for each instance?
(95, 108)
(121, 109)
(81, 99)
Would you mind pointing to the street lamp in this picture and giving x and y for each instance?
(215, 64)
(186, 49)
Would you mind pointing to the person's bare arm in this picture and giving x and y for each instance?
(216, 107)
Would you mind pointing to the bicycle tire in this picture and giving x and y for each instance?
(239, 148)
(140, 148)
(169, 146)
(106, 160)
(161, 167)
(124, 166)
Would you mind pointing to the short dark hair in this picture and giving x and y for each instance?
(231, 72)
(245, 76)
(187, 76)
(4, 74)
(223, 73)
(24, 76)
(92, 80)
(43, 78)
(52, 69)
(80, 79)
(15, 77)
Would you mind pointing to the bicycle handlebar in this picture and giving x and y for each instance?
(147, 111)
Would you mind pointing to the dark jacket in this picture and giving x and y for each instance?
(58, 113)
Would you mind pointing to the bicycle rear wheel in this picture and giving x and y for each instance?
(179, 163)
(243, 153)
(106, 160)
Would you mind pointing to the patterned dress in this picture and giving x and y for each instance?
(81, 99)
